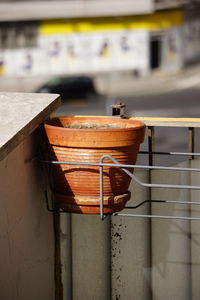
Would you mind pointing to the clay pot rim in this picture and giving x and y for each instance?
(137, 125)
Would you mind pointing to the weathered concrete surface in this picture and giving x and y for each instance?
(20, 115)
(26, 228)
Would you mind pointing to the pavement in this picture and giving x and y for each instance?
(119, 83)
(156, 83)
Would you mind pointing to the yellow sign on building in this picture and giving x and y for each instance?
(158, 21)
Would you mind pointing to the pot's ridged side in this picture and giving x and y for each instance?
(87, 205)
(84, 180)
(77, 187)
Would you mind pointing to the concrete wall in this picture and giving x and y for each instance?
(172, 53)
(26, 229)
(171, 247)
(191, 34)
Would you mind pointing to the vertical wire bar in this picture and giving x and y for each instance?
(101, 193)
(191, 141)
(57, 257)
(109, 281)
(151, 134)
(191, 148)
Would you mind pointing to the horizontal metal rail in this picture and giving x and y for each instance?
(162, 201)
(157, 217)
(125, 168)
(145, 185)
(101, 164)
(170, 153)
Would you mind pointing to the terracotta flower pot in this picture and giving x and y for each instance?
(86, 139)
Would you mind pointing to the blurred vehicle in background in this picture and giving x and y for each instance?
(70, 88)
(78, 95)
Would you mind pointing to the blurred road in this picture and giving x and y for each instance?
(183, 101)
(172, 103)
(176, 95)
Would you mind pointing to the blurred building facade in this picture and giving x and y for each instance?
(69, 37)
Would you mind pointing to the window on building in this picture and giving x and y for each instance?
(18, 35)
(155, 52)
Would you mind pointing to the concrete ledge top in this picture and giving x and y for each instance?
(20, 115)
(169, 122)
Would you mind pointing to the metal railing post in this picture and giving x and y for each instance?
(151, 149)
(191, 141)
